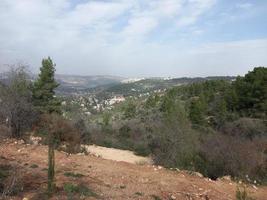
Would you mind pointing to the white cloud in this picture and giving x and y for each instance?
(116, 37)
(244, 5)
(193, 10)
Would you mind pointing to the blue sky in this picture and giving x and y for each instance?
(136, 37)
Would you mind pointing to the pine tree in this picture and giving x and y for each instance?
(44, 88)
(46, 102)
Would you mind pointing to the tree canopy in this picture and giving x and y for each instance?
(44, 88)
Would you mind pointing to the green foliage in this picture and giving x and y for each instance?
(44, 88)
(142, 149)
(72, 174)
(152, 101)
(155, 197)
(34, 166)
(139, 193)
(78, 189)
(4, 172)
(175, 143)
(252, 91)
(129, 110)
(197, 111)
(124, 131)
(106, 118)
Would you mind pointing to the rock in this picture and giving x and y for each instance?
(254, 186)
(25, 198)
(21, 142)
(35, 140)
(173, 197)
(226, 178)
(198, 174)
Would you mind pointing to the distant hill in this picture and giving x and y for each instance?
(115, 85)
(154, 84)
(72, 83)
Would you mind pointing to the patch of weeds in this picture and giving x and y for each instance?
(78, 189)
(4, 172)
(242, 194)
(155, 197)
(139, 193)
(141, 162)
(34, 166)
(122, 186)
(75, 175)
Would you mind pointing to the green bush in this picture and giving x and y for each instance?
(78, 189)
(142, 149)
(34, 166)
(72, 174)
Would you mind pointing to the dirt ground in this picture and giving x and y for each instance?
(112, 179)
(117, 154)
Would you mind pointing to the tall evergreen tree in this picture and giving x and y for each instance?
(46, 102)
(44, 88)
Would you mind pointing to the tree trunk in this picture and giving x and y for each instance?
(51, 166)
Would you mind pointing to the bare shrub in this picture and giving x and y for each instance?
(16, 107)
(246, 127)
(175, 145)
(13, 183)
(63, 131)
(227, 155)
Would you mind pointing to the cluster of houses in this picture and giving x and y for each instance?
(90, 104)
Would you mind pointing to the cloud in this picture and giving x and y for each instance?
(244, 5)
(193, 10)
(119, 37)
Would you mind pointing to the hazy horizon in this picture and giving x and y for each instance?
(138, 38)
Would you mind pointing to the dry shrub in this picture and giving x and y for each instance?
(227, 155)
(13, 183)
(66, 135)
(246, 127)
(4, 132)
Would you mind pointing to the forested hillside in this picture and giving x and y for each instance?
(216, 127)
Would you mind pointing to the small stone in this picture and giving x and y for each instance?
(254, 186)
(173, 197)
(198, 174)
(227, 178)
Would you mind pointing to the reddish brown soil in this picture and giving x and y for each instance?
(111, 179)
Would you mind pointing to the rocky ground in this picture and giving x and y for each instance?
(108, 179)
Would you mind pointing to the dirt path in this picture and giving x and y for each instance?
(117, 154)
(114, 180)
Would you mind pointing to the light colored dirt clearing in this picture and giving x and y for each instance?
(117, 154)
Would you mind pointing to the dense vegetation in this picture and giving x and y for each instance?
(216, 127)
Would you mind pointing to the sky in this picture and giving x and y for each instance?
(135, 38)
